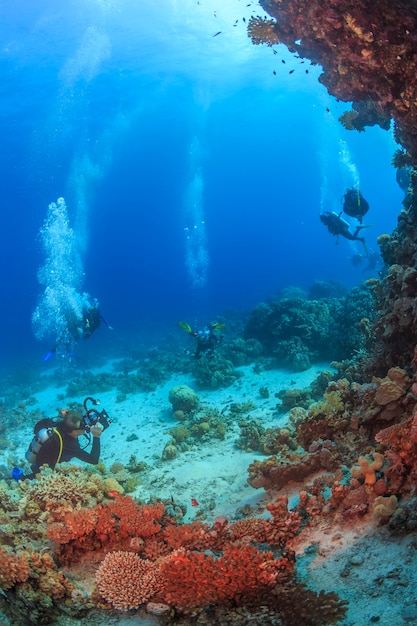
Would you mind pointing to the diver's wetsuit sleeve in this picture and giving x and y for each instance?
(90, 457)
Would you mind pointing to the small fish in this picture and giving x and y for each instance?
(290, 72)
(327, 109)
(275, 51)
(194, 502)
(306, 71)
(282, 61)
(113, 493)
(274, 73)
(243, 19)
(218, 33)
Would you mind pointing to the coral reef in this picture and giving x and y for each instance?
(365, 113)
(367, 52)
(214, 372)
(296, 331)
(141, 555)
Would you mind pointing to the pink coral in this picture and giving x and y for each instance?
(127, 581)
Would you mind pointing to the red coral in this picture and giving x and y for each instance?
(195, 580)
(395, 467)
(251, 528)
(190, 536)
(134, 519)
(285, 524)
(127, 581)
(402, 450)
(75, 524)
(111, 523)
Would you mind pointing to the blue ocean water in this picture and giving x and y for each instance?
(194, 165)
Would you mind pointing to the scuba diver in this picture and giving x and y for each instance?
(79, 327)
(337, 226)
(354, 204)
(57, 442)
(373, 259)
(207, 339)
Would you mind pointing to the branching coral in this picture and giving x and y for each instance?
(14, 569)
(262, 30)
(113, 523)
(197, 580)
(127, 581)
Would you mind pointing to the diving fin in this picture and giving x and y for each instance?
(219, 326)
(185, 327)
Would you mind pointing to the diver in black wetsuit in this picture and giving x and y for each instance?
(354, 204)
(57, 442)
(337, 226)
(79, 326)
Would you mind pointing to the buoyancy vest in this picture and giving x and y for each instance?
(44, 430)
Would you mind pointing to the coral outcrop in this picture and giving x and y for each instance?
(298, 331)
(367, 51)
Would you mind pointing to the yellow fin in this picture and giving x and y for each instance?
(185, 326)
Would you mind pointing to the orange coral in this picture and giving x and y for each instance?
(191, 536)
(368, 468)
(127, 581)
(13, 569)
